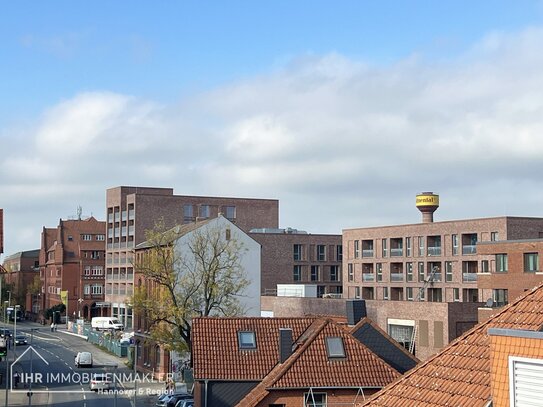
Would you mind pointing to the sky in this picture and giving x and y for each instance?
(343, 111)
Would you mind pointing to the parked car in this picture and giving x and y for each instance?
(185, 403)
(100, 381)
(20, 339)
(83, 359)
(164, 399)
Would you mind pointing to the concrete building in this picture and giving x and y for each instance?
(514, 268)
(436, 262)
(290, 256)
(21, 269)
(72, 262)
(155, 358)
(133, 210)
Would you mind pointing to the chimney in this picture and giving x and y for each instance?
(356, 310)
(285, 344)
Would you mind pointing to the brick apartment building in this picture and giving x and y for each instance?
(133, 210)
(72, 259)
(290, 256)
(21, 269)
(514, 268)
(435, 262)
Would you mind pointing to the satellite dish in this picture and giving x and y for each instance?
(489, 303)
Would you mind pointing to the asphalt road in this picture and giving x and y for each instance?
(55, 374)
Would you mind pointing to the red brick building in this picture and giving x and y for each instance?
(72, 259)
(133, 210)
(21, 270)
(290, 256)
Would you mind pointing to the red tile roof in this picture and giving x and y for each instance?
(460, 374)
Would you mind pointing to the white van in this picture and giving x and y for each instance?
(106, 323)
(83, 359)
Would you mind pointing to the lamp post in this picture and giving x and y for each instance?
(31, 374)
(15, 309)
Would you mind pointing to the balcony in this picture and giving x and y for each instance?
(131, 231)
(368, 277)
(397, 252)
(124, 216)
(434, 251)
(437, 277)
(469, 277)
(131, 214)
(367, 253)
(469, 249)
(396, 277)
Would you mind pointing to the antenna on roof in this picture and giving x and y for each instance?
(79, 212)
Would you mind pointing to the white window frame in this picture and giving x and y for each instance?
(512, 361)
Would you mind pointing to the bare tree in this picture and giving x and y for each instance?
(187, 271)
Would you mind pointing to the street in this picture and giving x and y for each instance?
(47, 365)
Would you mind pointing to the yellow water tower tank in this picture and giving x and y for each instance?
(427, 203)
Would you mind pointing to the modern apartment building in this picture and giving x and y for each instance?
(72, 263)
(435, 262)
(290, 256)
(131, 211)
(514, 268)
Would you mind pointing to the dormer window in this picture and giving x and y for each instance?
(334, 347)
(247, 340)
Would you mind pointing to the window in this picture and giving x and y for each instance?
(86, 238)
(314, 399)
(408, 246)
(484, 266)
(356, 249)
(422, 294)
(87, 270)
(525, 381)
(421, 246)
(531, 262)
(297, 252)
(97, 270)
(334, 347)
(499, 296)
(379, 267)
(448, 271)
(501, 263)
(334, 273)
(314, 273)
(494, 236)
(456, 294)
(205, 211)
(96, 289)
(357, 292)
(409, 267)
(385, 293)
(188, 213)
(297, 275)
(247, 340)
(70, 238)
(230, 212)
(321, 252)
(350, 270)
(384, 246)
(454, 244)
(435, 295)
(95, 255)
(86, 289)
(339, 253)
(409, 293)
(421, 271)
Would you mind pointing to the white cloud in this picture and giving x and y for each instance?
(341, 143)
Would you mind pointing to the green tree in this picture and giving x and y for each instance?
(185, 277)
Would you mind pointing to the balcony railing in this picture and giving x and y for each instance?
(131, 214)
(397, 252)
(469, 249)
(396, 277)
(469, 277)
(367, 253)
(435, 277)
(368, 277)
(434, 251)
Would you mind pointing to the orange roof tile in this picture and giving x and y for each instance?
(460, 374)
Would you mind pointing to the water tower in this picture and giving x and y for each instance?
(427, 203)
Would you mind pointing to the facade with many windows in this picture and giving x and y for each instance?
(72, 260)
(131, 211)
(290, 256)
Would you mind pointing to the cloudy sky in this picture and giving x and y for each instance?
(343, 111)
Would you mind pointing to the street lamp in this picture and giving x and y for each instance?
(31, 374)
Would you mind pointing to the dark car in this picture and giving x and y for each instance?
(20, 340)
(174, 399)
(5, 332)
(185, 403)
